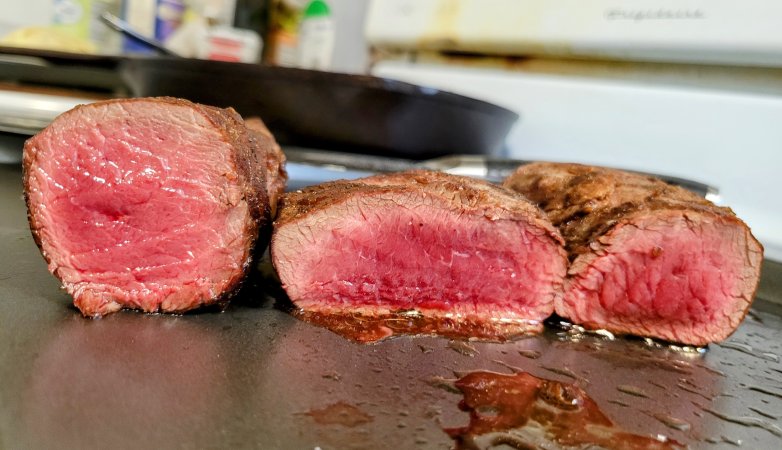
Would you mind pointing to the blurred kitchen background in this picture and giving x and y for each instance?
(686, 88)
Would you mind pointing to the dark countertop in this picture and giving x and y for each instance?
(255, 377)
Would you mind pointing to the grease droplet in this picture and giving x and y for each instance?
(672, 422)
(332, 376)
(766, 391)
(764, 413)
(443, 383)
(463, 347)
(513, 369)
(339, 413)
(632, 390)
(531, 354)
(619, 402)
(424, 349)
(748, 422)
(563, 371)
(747, 349)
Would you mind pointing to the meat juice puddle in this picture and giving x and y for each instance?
(370, 329)
(523, 411)
(340, 413)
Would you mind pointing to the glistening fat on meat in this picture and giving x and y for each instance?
(154, 204)
(442, 252)
(647, 258)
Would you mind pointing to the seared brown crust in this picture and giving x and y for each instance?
(467, 194)
(251, 157)
(28, 157)
(276, 176)
(584, 202)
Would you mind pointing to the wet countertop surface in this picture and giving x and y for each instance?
(255, 377)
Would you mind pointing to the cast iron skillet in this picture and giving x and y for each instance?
(305, 108)
(352, 113)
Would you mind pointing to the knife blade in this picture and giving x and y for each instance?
(479, 166)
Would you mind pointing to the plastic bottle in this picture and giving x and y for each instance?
(316, 37)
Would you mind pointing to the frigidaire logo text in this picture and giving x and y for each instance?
(639, 15)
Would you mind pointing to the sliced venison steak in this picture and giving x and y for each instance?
(647, 258)
(422, 244)
(153, 204)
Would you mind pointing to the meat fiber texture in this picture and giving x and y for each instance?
(155, 204)
(433, 244)
(647, 258)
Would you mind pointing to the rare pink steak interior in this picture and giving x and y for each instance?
(421, 243)
(152, 204)
(648, 258)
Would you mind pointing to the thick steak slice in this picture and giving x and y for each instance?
(423, 244)
(647, 258)
(153, 204)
